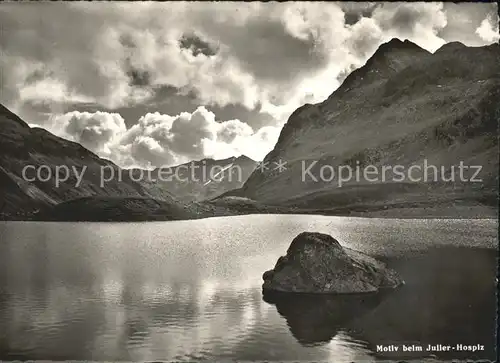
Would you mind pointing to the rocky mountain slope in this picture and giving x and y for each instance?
(404, 107)
(203, 179)
(22, 196)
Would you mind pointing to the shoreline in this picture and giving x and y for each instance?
(400, 213)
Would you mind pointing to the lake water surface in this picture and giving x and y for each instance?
(191, 290)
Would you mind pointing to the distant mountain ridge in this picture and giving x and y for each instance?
(203, 179)
(404, 106)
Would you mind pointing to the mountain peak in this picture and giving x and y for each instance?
(243, 157)
(451, 47)
(397, 44)
(390, 57)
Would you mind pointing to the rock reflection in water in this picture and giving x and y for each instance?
(316, 319)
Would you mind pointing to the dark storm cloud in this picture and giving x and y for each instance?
(403, 17)
(354, 11)
(270, 45)
(36, 36)
(196, 45)
(256, 118)
(138, 77)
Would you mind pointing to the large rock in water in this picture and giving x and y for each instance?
(317, 263)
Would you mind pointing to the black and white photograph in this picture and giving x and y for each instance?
(229, 181)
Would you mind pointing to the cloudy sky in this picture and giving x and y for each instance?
(163, 83)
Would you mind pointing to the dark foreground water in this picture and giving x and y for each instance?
(192, 291)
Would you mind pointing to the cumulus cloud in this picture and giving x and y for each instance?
(158, 139)
(488, 30)
(163, 139)
(228, 131)
(354, 11)
(96, 131)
